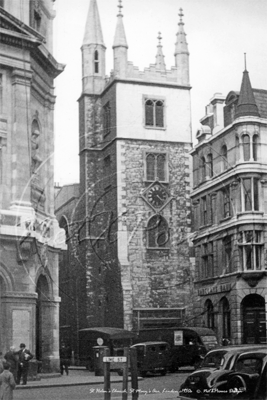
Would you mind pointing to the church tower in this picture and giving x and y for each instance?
(30, 238)
(134, 209)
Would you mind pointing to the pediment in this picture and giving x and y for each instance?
(12, 30)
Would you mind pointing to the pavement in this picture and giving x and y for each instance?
(80, 376)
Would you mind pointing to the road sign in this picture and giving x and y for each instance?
(115, 359)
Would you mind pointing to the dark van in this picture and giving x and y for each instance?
(188, 344)
(153, 357)
(114, 338)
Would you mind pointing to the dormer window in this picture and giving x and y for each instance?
(96, 62)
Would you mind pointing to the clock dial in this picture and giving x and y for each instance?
(157, 196)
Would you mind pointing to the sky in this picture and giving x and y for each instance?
(219, 32)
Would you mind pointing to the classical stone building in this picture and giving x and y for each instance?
(30, 237)
(230, 215)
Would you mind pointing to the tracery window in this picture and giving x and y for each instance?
(157, 232)
(156, 167)
(154, 113)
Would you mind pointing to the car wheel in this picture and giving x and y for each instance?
(90, 366)
(163, 372)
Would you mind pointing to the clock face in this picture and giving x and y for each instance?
(157, 196)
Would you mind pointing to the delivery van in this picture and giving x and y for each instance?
(188, 344)
(154, 357)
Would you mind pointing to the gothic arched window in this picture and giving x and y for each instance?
(154, 113)
(156, 167)
(157, 232)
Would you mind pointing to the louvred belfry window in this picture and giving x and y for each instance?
(154, 113)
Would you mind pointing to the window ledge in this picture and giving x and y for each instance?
(225, 219)
(159, 128)
(239, 214)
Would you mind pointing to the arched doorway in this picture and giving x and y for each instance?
(254, 324)
(43, 295)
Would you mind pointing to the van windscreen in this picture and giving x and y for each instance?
(209, 340)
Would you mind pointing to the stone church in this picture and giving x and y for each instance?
(30, 237)
(128, 233)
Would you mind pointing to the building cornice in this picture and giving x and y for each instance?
(88, 149)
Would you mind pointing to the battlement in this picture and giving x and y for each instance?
(150, 74)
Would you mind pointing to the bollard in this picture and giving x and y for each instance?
(125, 375)
(107, 391)
(134, 373)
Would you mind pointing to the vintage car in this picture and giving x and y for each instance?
(216, 363)
(247, 381)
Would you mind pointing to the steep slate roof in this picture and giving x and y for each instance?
(246, 105)
(261, 101)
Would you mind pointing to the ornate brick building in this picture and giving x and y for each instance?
(229, 167)
(30, 238)
(133, 216)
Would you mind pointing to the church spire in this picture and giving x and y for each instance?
(181, 53)
(120, 46)
(93, 31)
(160, 63)
(93, 53)
(246, 105)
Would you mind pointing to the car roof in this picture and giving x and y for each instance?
(260, 353)
(149, 343)
(238, 348)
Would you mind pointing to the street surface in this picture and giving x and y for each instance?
(149, 386)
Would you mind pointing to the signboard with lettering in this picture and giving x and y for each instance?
(178, 338)
(225, 287)
(115, 359)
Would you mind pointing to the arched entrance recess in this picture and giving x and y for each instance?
(42, 324)
(254, 324)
